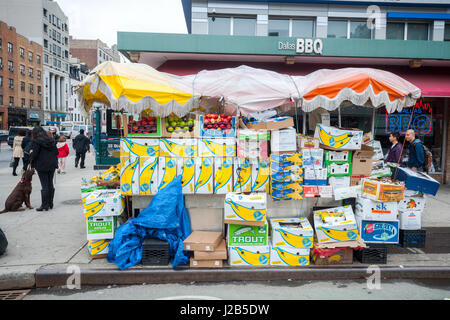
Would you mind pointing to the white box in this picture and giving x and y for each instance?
(217, 147)
(376, 145)
(104, 203)
(148, 175)
(338, 155)
(339, 138)
(129, 175)
(178, 147)
(186, 168)
(204, 175)
(260, 175)
(98, 247)
(410, 219)
(289, 256)
(339, 169)
(284, 140)
(375, 210)
(339, 182)
(242, 175)
(98, 228)
(312, 157)
(315, 173)
(416, 203)
(249, 256)
(347, 192)
(223, 175)
(245, 207)
(291, 232)
(139, 147)
(337, 228)
(325, 191)
(167, 171)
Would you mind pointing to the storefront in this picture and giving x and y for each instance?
(56, 118)
(17, 117)
(3, 118)
(34, 118)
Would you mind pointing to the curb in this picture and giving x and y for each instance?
(102, 277)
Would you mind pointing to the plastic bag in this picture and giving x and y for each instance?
(165, 218)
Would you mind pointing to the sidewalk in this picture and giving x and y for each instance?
(42, 246)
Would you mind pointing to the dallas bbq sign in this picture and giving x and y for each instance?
(421, 123)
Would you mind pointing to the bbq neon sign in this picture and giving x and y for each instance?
(421, 122)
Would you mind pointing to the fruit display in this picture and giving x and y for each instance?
(146, 125)
(179, 125)
(218, 122)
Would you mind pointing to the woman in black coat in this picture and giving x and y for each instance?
(44, 160)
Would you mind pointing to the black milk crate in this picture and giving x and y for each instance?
(374, 254)
(155, 252)
(412, 238)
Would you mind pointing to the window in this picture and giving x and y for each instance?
(30, 72)
(417, 31)
(45, 12)
(45, 58)
(22, 53)
(39, 90)
(219, 25)
(45, 43)
(0, 44)
(359, 30)
(10, 47)
(11, 101)
(279, 27)
(22, 102)
(1, 63)
(39, 75)
(39, 104)
(395, 31)
(303, 28)
(31, 88)
(241, 27)
(11, 83)
(22, 86)
(337, 29)
(54, 62)
(45, 28)
(59, 64)
(22, 69)
(30, 56)
(1, 100)
(38, 59)
(31, 103)
(99, 54)
(10, 66)
(1, 81)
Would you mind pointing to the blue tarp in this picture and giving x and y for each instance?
(165, 218)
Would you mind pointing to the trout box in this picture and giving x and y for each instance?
(291, 232)
(98, 228)
(241, 235)
(249, 255)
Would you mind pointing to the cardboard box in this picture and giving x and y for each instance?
(415, 203)
(317, 182)
(284, 140)
(242, 175)
(334, 138)
(380, 190)
(305, 142)
(339, 182)
(167, 171)
(249, 256)
(245, 209)
(330, 256)
(410, 219)
(193, 263)
(260, 175)
(223, 175)
(339, 169)
(182, 134)
(315, 173)
(380, 173)
(347, 192)
(289, 256)
(271, 124)
(202, 241)
(362, 161)
(104, 203)
(373, 231)
(378, 150)
(204, 177)
(355, 180)
(129, 175)
(313, 158)
(98, 248)
(253, 144)
(178, 148)
(291, 232)
(241, 235)
(139, 147)
(219, 254)
(148, 175)
(213, 133)
(326, 191)
(335, 224)
(338, 156)
(99, 228)
(139, 133)
(217, 147)
(310, 191)
(374, 210)
(417, 181)
(186, 168)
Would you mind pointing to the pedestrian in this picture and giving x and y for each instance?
(44, 160)
(54, 134)
(81, 146)
(26, 147)
(395, 152)
(63, 152)
(17, 149)
(416, 157)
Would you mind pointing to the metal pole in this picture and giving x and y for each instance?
(304, 122)
(374, 114)
(444, 142)
(339, 116)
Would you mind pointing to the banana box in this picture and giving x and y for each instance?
(129, 175)
(245, 209)
(217, 147)
(260, 175)
(253, 144)
(339, 169)
(101, 203)
(98, 247)
(98, 228)
(178, 148)
(313, 157)
(338, 138)
(241, 235)
(167, 171)
(375, 210)
(138, 147)
(204, 177)
(186, 168)
(148, 175)
(291, 232)
(289, 256)
(335, 224)
(223, 175)
(242, 175)
(380, 190)
(249, 255)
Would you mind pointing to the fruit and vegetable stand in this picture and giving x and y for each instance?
(256, 190)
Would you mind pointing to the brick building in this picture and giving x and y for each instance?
(93, 52)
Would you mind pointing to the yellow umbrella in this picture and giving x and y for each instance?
(135, 87)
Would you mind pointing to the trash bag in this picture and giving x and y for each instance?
(165, 218)
(3, 242)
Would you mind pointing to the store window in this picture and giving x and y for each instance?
(417, 31)
(244, 26)
(395, 31)
(337, 29)
(447, 32)
(359, 30)
(279, 27)
(219, 25)
(303, 28)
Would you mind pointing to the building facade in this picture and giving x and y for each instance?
(43, 22)
(93, 52)
(21, 79)
(78, 72)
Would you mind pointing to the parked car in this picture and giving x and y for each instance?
(13, 131)
(4, 135)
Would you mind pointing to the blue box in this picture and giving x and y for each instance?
(372, 231)
(315, 182)
(416, 181)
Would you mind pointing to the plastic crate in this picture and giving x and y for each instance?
(375, 254)
(155, 252)
(412, 238)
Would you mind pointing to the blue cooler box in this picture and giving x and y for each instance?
(416, 181)
(372, 231)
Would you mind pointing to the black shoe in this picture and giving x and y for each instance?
(14, 174)
(44, 199)
(82, 167)
(76, 166)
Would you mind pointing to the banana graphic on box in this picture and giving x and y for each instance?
(242, 175)
(243, 212)
(294, 240)
(148, 176)
(217, 147)
(140, 147)
(167, 171)
(96, 247)
(338, 235)
(249, 257)
(332, 140)
(301, 258)
(129, 176)
(223, 178)
(91, 209)
(186, 167)
(178, 147)
(260, 175)
(204, 175)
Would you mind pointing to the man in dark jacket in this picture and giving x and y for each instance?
(395, 152)
(416, 156)
(81, 146)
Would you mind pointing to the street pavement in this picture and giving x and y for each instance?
(46, 247)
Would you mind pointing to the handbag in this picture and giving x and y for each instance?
(11, 163)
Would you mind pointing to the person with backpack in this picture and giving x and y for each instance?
(419, 155)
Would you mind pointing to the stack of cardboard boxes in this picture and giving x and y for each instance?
(209, 249)
(286, 176)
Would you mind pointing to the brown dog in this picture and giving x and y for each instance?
(20, 194)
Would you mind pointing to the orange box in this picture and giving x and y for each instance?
(380, 190)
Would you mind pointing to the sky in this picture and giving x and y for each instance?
(101, 19)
